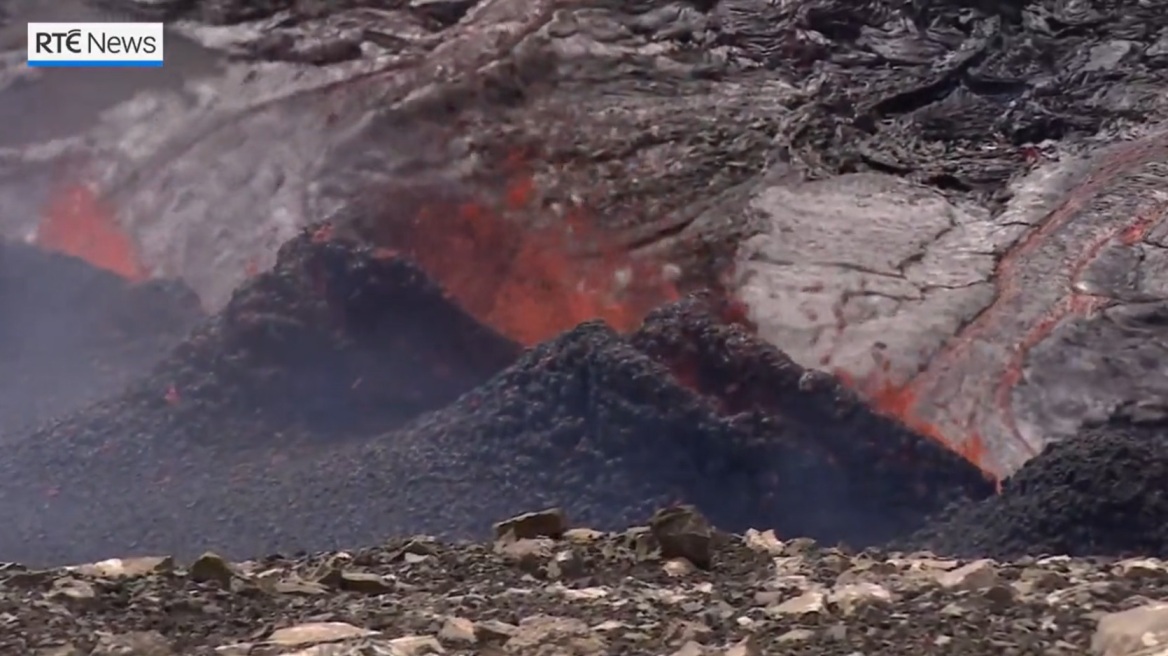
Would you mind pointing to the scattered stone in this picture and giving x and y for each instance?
(683, 532)
(315, 633)
(678, 567)
(1137, 568)
(363, 582)
(691, 649)
(977, 575)
(458, 631)
(748, 646)
(566, 564)
(529, 554)
(127, 567)
(550, 523)
(416, 646)
(138, 643)
(850, 597)
(583, 535)
(72, 590)
(459, 598)
(495, 631)
(688, 631)
(810, 602)
(1141, 631)
(558, 635)
(211, 567)
(67, 649)
(295, 585)
(764, 541)
(797, 635)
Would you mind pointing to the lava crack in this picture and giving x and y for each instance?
(965, 394)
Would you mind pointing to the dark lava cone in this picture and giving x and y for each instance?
(71, 333)
(335, 338)
(1104, 493)
(861, 478)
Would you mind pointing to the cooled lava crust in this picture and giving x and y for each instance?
(277, 427)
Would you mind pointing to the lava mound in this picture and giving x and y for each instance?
(1104, 493)
(335, 338)
(70, 332)
(837, 470)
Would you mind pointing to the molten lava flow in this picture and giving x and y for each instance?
(76, 223)
(963, 394)
(902, 402)
(531, 284)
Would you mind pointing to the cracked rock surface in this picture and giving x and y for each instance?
(587, 593)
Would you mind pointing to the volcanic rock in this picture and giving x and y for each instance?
(682, 532)
(272, 429)
(1131, 631)
(879, 174)
(467, 597)
(334, 341)
(1102, 493)
(550, 523)
(336, 336)
(870, 460)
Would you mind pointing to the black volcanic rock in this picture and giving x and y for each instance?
(335, 337)
(873, 479)
(1104, 493)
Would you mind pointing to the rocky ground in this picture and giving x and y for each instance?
(674, 586)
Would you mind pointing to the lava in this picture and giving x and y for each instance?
(528, 282)
(952, 399)
(77, 223)
(902, 402)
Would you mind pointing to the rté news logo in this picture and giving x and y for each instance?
(71, 45)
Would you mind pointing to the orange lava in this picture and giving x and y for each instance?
(76, 223)
(900, 402)
(531, 284)
(903, 401)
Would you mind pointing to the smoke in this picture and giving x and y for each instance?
(71, 333)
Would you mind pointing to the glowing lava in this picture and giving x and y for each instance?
(75, 222)
(963, 397)
(531, 283)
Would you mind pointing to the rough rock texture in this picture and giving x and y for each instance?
(71, 334)
(1102, 493)
(897, 183)
(270, 429)
(586, 594)
(336, 338)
